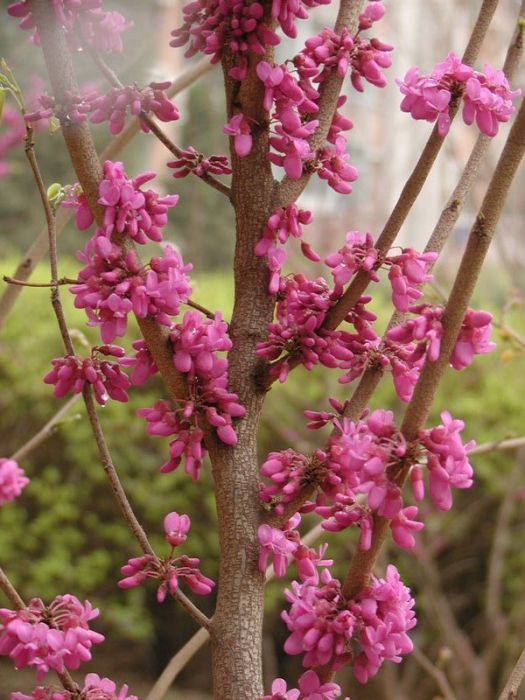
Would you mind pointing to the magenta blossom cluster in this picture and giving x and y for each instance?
(197, 342)
(191, 161)
(408, 270)
(140, 214)
(83, 20)
(70, 374)
(298, 333)
(170, 570)
(53, 637)
(114, 283)
(365, 631)
(487, 97)
(95, 688)
(12, 480)
(282, 224)
(310, 688)
(355, 473)
(284, 544)
(418, 339)
(211, 26)
(111, 107)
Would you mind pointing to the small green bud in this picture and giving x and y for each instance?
(54, 191)
(53, 125)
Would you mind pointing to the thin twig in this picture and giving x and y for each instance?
(436, 673)
(152, 125)
(22, 283)
(510, 691)
(44, 433)
(496, 445)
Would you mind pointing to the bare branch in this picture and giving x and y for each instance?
(510, 691)
(44, 433)
(436, 673)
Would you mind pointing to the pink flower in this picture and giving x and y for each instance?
(473, 339)
(176, 528)
(358, 253)
(12, 480)
(84, 19)
(408, 271)
(333, 167)
(277, 543)
(239, 128)
(312, 688)
(280, 692)
(488, 100)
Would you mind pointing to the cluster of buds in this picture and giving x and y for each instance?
(171, 570)
(70, 374)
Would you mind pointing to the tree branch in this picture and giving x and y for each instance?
(44, 433)
(434, 672)
(510, 691)
(38, 248)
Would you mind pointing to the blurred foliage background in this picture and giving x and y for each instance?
(64, 533)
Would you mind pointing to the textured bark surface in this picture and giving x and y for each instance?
(237, 623)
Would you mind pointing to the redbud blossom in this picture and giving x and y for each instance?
(12, 480)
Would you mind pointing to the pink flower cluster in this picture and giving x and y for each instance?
(190, 161)
(140, 214)
(297, 332)
(310, 688)
(354, 475)
(448, 464)
(70, 375)
(196, 343)
(284, 544)
(171, 569)
(95, 688)
(12, 480)
(54, 637)
(487, 97)
(365, 631)
(408, 271)
(283, 223)
(211, 26)
(82, 19)
(112, 106)
(418, 339)
(114, 284)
